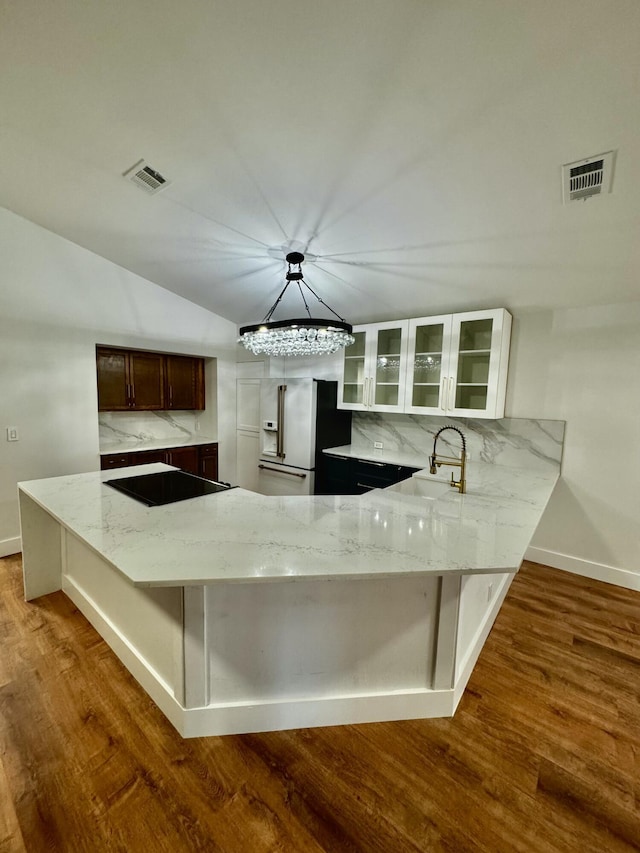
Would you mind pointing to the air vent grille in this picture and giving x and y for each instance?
(148, 179)
(585, 178)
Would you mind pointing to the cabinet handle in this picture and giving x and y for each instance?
(171, 395)
(371, 391)
(369, 462)
(452, 400)
(365, 390)
(443, 395)
(365, 486)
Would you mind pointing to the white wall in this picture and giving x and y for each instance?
(56, 302)
(582, 365)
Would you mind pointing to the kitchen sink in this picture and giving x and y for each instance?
(421, 487)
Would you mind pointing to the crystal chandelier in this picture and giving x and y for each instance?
(307, 336)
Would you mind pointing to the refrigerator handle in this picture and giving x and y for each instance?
(280, 433)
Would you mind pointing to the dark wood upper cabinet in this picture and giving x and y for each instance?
(134, 380)
(185, 382)
(146, 380)
(113, 384)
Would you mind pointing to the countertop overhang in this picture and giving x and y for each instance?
(137, 445)
(242, 536)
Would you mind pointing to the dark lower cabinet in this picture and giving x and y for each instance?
(209, 461)
(115, 460)
(342, 475)
(201, 460)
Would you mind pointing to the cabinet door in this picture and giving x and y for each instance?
(335, 476)
(478, 364)
(146, 380)
(374, 368)
(355, 382)
(113, 382)
(429, 343)
(388, 366)
(185, 458)
(208, 455)
(185, 382)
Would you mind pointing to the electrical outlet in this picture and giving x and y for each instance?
(378, 445)
(196, 425)
(490, 592)
(12, 433)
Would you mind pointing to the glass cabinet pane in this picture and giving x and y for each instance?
(429, 338)
(471, 397)
(427, 396)
(476, 334)
(387, 395)
(473, 367)
(474, 355)
(389, 342)
(388, 350)
(354, 364)
(427, 368)
(427, 365)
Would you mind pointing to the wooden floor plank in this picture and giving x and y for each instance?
(543, 755)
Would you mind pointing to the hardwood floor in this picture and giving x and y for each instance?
(542, 755)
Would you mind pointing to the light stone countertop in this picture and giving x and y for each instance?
(241, 536)
(140, 444)
(390, 457)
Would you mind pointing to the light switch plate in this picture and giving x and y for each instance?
(12, 433)
(378, 445)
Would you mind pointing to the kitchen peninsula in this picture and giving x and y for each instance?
(240, 612)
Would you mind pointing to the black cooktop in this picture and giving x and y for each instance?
(165, 487)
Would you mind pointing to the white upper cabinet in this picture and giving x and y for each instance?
(429, 343)
(375, 368)
(453, 364)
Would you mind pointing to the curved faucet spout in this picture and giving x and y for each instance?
(436, 461)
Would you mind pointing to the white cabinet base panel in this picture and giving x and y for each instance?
(309, 670)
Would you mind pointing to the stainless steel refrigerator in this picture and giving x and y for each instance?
(299, 417)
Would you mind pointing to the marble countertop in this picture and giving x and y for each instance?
(390, 457)
(139, 444)
(241, 536)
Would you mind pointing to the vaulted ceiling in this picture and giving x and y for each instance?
(411, 148)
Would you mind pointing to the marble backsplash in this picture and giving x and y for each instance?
(117, 427)
(512, 442)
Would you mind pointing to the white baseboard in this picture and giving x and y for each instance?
(10, 546)
(586, 568)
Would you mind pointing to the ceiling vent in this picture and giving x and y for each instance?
(143, 176)
(584, 178)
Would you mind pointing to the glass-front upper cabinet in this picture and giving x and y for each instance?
(375, 368)
(428, 365)
(458, 364)
(478, 364)
(453, 364)
(353, 372)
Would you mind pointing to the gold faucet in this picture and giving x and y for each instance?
(437, 461)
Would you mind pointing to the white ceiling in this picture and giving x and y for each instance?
(413, 147)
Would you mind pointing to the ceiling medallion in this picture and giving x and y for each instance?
(306, 336)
